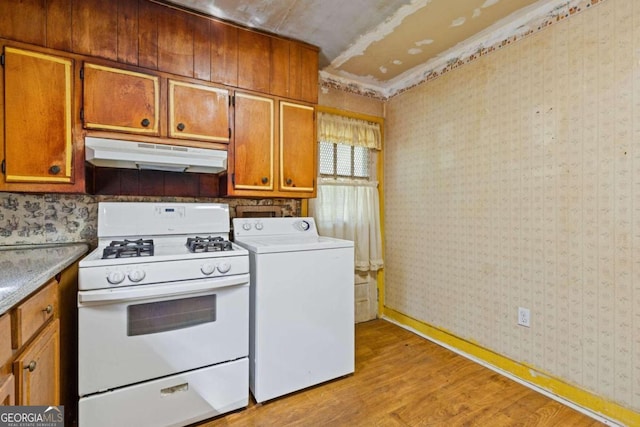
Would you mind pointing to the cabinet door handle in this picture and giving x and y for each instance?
(31, 366)
(145, 122)
(289, 181)
(265, 179)
(54, 170)
(181, 126)
(48, 309)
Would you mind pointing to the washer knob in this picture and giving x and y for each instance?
(224, 267)
(136, 275)
(258, 226)
(208, 269)
(246, 226)
(115, 277)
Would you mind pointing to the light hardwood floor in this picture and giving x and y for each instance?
(402, 379)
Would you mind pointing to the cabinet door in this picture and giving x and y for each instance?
(297, 148)
(253, 143)
(198, 112)
(120, 100)
(7, 390)
(37, 369)
(37, 117)
(303, 73)
(254, 61)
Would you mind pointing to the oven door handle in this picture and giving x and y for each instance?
(160, 290)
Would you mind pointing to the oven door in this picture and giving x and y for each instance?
(139, 333)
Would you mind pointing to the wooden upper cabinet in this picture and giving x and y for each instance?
(198, 112)
(297, 148)
(95, 28)
(38, 96)
(175, 42)
(224, 53)
(120, 100)
(253, 147)
(294, 70)
(260, 168)
(279, 82)
(254, 59)
(303, 73)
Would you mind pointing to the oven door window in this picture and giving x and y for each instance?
(162, 316)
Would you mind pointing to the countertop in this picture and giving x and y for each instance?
(25, 268)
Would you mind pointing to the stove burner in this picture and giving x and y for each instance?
(128, 248)
(208, 244)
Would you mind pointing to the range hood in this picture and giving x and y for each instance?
(115, 153)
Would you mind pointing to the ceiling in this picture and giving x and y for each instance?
(384, 45)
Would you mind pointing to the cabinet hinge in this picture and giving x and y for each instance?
(82, 73)
(229, 133)
(4, 167)
(232, 101)
(82, 114)
(2, 59)
(233, 177)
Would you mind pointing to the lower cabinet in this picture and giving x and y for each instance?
(37, 369)
(7, 390)
(38, 347)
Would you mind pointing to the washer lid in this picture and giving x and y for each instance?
(275, 244)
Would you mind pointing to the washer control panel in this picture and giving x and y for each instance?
(285, 226)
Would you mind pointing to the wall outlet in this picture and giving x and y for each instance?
(524, 317)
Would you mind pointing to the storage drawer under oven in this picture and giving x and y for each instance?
(134, 334)
(176, 400)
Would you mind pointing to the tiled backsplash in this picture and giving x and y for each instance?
(62, 218)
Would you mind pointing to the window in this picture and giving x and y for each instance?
(344, 161)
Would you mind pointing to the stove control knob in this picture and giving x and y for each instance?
(136, 275)
(224, 267)
(208, 269)
(115, 277)
(246, 226)
(259, 226)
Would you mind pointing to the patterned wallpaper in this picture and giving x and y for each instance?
(60, 218)
(514, 181)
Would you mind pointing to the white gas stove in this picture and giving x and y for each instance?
(163, 312)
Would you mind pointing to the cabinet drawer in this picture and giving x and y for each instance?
(5, 339)
(32, 314)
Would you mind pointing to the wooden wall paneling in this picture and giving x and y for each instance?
(151, 183)
(181, 184)
(148, 34)
(59, 25)
(94, 28)
(279, 82)
(224, 53)
(254, 52)
(128, 32)
(105, 181)
(201, 48)
(129, 182)
(208, 185)
(24, 21)
(175, 42)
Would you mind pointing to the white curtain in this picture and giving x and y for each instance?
(351, 211)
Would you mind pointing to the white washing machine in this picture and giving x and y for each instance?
(301, 306)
